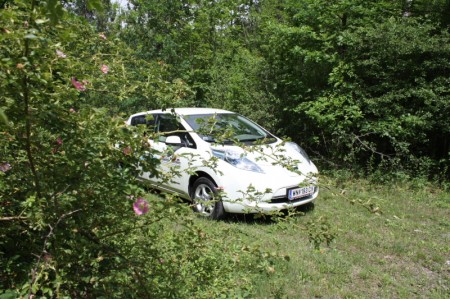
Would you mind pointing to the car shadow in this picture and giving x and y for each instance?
(250, 219)
(264, 219)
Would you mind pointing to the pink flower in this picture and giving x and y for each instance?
(78, 85)
(5, 167)
(104, 69)
(60, 54)
(71, 110)
(59, 141)
(102, 36)
(140, 206)
(127, 151)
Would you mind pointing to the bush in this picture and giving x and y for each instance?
(68, 173)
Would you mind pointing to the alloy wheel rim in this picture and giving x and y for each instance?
(203, 197)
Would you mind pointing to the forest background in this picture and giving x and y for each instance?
(362, 85)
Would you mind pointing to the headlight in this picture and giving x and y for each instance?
(237, 160)
(298, 149)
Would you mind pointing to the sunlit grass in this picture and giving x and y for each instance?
(402, 252)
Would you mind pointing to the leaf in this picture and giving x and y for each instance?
(3, 117)
(9, 294)
(41, 21)
(95, 5)
(55, 10)
(30, 36)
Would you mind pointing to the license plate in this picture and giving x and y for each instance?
(300, 192)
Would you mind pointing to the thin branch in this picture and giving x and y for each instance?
(12, 218)
(44, 246)
(382, 155)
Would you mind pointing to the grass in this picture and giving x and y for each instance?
(404, 252)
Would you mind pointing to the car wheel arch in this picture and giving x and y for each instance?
(197, 175)
(206, 198)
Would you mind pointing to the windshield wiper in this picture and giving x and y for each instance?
(266, 139)
(210, 139)
(251, 139)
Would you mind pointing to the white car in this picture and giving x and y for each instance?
(223, 162)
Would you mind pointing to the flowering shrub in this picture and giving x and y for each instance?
(67, 167)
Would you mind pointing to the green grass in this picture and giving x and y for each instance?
(404, 252)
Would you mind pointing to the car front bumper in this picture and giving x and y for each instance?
(251, 192)
(245, 205)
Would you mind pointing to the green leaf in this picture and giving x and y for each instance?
(55, 10)
(95, 5)
(9, 295)
(3, 117)
(41, 21)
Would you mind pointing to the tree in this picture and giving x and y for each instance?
(328, 71)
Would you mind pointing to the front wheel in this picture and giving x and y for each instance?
(205, 199)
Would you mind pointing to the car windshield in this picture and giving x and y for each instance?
(227, 128)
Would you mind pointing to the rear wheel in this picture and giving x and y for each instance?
(205, 199)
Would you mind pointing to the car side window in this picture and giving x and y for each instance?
(138, 120)
(169, 125)
(144, 119)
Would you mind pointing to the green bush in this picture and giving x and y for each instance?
(68, 173)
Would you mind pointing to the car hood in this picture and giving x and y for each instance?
(276, 158)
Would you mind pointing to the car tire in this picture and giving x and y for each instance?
(205, 199)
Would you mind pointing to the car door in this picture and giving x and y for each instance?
(149, 120)
(178, 158)
(174, 158)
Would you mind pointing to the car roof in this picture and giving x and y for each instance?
(185, 111)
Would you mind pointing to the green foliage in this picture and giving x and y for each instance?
(68, 171)
(234, 86)
(365, 84)
(394, 81)
(320, 232)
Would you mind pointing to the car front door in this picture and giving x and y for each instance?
(178, 158)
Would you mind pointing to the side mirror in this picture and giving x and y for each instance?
(173, 140)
